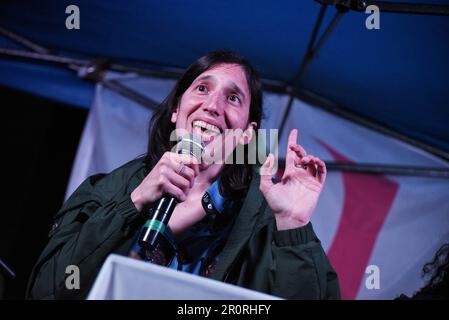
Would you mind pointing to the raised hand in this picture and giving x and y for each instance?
(294, 198)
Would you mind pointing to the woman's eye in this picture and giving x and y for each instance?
(201, 88)
(234, 98)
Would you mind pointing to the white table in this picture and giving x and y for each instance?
(123, 278)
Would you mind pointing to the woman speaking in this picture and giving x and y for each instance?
(232, 222)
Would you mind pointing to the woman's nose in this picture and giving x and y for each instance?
(214, 104)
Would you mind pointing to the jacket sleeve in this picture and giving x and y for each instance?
(86, 230)
(300, 268)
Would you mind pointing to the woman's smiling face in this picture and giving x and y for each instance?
(218, 99)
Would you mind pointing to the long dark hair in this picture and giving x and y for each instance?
(438, 273)
(235, 178)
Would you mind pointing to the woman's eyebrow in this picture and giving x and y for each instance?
(204, 78)
(233, 87)
(236, 88)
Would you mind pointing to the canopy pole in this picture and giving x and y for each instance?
(73, 64)
(410, 8)
(384, 169)
(393, 170)
(391, 6)
(40, 57)
(95, 71)
(326, 105)
(22, 41)
(311, 53)
(130, 94)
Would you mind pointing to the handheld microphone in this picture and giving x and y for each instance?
(152, 237)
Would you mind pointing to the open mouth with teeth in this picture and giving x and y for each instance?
(205, 130)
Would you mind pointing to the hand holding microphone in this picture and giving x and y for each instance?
(173, 174)
(169, 181)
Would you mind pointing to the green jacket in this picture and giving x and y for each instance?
(100, 218)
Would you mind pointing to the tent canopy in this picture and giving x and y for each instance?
(397, 76)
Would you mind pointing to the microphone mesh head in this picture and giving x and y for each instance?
(190, 144)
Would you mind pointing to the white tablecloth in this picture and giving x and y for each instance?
(122, 278)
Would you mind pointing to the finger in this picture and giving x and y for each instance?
(186, 159)
(194, 167)
(293, 137)
(322, 170)
(307, 164)
(175, 192)
(181, 158)
(306, 159)
(186, 172)
(266, 174)
(265, 170)
(300, 151)
(290, 157)
(179, 181)
(190, 162)
(303, 163)
(313, 167)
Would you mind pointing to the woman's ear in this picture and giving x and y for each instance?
(248, 133)
(174, 115)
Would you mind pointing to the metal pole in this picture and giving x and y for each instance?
(392, 170)
(130, 94)
(22, 41)
(319, 102)
(391, 6)
(74, 64)
(308, 56)
(41, 57)
(409, 8)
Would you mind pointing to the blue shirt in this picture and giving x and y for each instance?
(197, 249)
